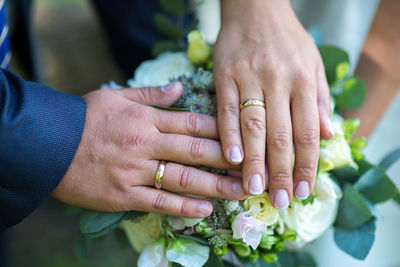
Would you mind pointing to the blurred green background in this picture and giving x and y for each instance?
(75, 59)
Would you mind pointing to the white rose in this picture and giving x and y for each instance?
(312, 220)
(161, 70)
(336, 153)
(180, 223)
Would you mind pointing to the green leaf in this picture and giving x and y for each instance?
(332, 56)
(121, 238)
(390, 158)
(173, 7)
(353, 209)
(92, 222)
(72, 210)
(291, 259)
(347, 174)
(376, 186)
(130, 215)
(164, 46)
(356, 242)
(353, 94)
(83, 243)
(105, 231)
(194, 238)
(169, 108)
(397, 198)
(166, 26)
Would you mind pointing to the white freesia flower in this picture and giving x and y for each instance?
(311, 220)
(161, 70)
(153, 255)
(180, 223)
(187, 253)
(336, 152)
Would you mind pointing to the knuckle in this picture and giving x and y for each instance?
(193, 124)
(185, 177)
(134, 141)
(197, 148)
(219, 188)
(303, 76)
(305, 172)
(139, 113)
(185, 207)
(281, 177)
(160, 202)
(229, 133)
(255, 125)
(144, 93)
(229, 110)
(309, 137)
(281, 139)
(255, 160)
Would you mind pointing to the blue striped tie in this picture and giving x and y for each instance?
(5, 54)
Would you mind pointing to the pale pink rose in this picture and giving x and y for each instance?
(248, 228)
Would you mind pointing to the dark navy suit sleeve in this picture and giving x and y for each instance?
(40, 130)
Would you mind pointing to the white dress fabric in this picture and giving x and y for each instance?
(344, 23)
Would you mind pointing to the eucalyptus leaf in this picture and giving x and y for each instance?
(376, 186)
(356, 242)
(347, 174)
(92, 222)
(166, 26)
(332, 56)
(169, 108)
(292, 259)
(133, 214)
(164, 46)
(174, 7)
(353, 209)
(390, 158)
(194, 238)
(353, 94)
(397, 198)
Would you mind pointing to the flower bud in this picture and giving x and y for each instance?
(202, 227)
(289, 235)
(267, 241)
(198, 52)
(269, 257)
(280, 246)
(242, 250)
(254, 256)
(220, 251)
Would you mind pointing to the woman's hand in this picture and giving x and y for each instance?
(123, 141)
(264, 53)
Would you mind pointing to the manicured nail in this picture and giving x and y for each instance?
(330, 128)
(281, 199)
(204, 209)
(256, 185)
(237, 188)
(168, 87)
(235, 155)
(302, 190)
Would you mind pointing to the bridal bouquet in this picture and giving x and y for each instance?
(252, 232)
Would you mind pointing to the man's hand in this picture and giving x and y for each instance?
(122, 142)
(263, 53)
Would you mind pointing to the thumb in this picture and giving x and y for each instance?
(165, 95)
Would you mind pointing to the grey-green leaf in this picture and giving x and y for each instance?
(174, 7)
(356, 242)
(91, 222)
(390, 158)
(166, 26)
(332, 56)
(353, 209)
(353, 94)
(376, 186)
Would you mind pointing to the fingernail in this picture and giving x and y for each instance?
(256, 185)
(204, 209)
(235, 155)
(302, 190)
(330, 128)
(168, 87)
(281, 199)
(237, 188)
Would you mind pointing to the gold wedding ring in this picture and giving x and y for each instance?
(159, 174)
(252, 102)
